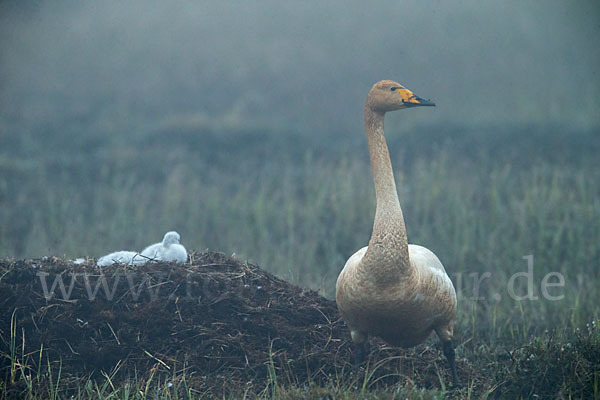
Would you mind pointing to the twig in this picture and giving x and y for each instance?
(114, 334)
(157, 359)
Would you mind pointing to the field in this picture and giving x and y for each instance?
(491, 202)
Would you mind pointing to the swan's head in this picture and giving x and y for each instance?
(387, 96)
(171, 238)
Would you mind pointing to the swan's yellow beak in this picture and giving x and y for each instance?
(413, 101)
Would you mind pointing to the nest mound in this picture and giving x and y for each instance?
(222, 323)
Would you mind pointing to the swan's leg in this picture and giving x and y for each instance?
(360, 347)
(449, 353)
(445, 334)
(360, 353)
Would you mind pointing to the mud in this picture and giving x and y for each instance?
(217, 322)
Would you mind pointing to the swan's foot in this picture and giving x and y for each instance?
(449, 353)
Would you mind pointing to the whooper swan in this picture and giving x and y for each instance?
(397, 291)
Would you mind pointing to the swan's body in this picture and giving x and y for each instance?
(390, 289)
(403, 313)
(121, 257)
(168, 250)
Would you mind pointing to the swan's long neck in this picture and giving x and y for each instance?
(387, 254)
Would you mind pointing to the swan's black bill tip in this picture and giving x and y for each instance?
(426, 103)
(417, 101)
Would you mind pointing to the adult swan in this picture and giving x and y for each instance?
(397, 291)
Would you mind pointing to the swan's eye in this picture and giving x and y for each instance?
(393, 89)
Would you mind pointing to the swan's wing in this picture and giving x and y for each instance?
(423, 259)
(355, 259)
(350, 266)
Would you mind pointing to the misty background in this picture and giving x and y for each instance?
(295, 66)
(240, 126)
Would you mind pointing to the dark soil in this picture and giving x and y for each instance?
(222, 323)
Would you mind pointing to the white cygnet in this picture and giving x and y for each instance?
(168, 250)
(123, 257)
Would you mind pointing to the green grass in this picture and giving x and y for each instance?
(300, 206)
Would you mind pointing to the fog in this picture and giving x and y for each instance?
(294, 66)
(239, 124)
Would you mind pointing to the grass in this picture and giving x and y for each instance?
(486, 202)
(565, 365)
